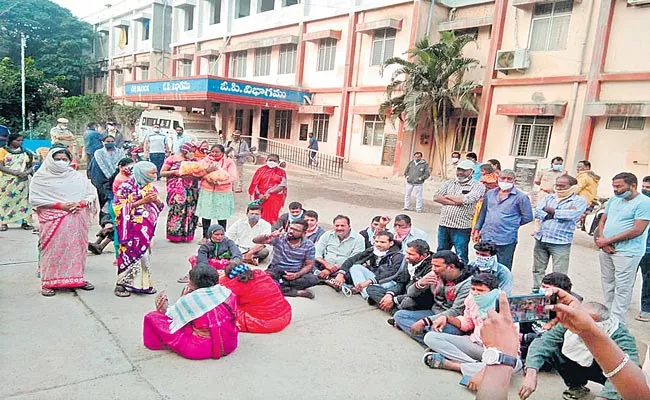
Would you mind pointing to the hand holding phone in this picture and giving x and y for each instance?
(531, 308)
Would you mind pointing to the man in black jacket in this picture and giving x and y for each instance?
(416, 264)
(378, 265)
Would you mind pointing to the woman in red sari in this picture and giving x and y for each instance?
(269, 186)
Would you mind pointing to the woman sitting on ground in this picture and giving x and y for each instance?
(261, 306)
(218, 252)
(200, 325)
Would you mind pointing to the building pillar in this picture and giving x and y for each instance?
(347, 79)
(300, 55)
(257, 120)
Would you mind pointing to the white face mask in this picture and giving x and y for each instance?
(156, 130)
(62, 163)
(455, 159)
(506, 185)
(271, 164)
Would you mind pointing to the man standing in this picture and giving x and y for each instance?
(458, 198)
(559, 213)
(60, 135)
(644, 315)
(179, 140)
(155, 147)
(477, 165)
(243, 231)
(293, 260)
(239, 150)
(416, 172)
(504, 210)
(587, 182)
(546, 178)
(111, 130)
(336, 246)
(313, 150)
(622, 234)
(92, 141)
(451, 167)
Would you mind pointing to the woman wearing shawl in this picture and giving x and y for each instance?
(269, 186)
(102, 168)
(216, 198)
(216, 252)
(15, 168)
(63, 199)
(182, 196)
(137, 207)
(202, 323)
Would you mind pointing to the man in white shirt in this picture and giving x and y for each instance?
(244, 230)
(155, 147)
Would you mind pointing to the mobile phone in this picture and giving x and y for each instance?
(530, 307)
(465, 380)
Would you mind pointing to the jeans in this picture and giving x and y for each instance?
(359, 274)
(505, 254)
(418, 196)
(541, 254)
(404, 319)
(158, 159)
(456, 238)
(618, 273)
(290, 288)
(645, 285)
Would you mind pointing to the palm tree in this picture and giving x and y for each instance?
(426, 88)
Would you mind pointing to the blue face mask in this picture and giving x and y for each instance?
(486, 263)
(557, 167)
(646, 192)
(297, 217)
(623, 195)
(486, 302)
(110, 146)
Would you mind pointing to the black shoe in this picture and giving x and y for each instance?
(391, 322)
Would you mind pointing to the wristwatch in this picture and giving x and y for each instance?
(492, 356)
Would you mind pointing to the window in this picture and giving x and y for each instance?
(262, 62)
(242, 8)
(238, 64)
(215, 12)
(326, 54)
(373, 130)
(144, 73)
(145, 29)
(282, 124)
(287, 3)
(532, 136)
(239, 119)
(625, 123)
(550, 26)
(287, 64)
(188, 14)
(213, 65)
(321, 126)
(186, 68)
(119, 79)
(265, 5)
(464, 135)
(383, 45)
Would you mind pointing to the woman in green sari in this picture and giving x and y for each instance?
(15, 169)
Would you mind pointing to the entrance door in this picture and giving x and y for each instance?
(388, 153)
(264, 129)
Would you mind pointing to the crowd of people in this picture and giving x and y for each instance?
(439, 298)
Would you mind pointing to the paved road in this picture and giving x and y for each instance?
(88, 344)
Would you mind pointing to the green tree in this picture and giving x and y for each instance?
(425, 89)
(58, 42)
(81, 110)
(127, 116)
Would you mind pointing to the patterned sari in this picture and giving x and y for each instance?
(14, 193)
(266, 178)
(182, 197)
(135, 230)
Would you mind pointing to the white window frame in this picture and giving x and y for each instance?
(260, 3)
(144, 73)
(287, 59)
(215, 12)
(377, 126)
(326, 54)
(262, 66)
(533, 128)
(383, 37)
(213, 65)
(188, 19)
(238, 61)
(551, 19)
(321, 126)
(186, 68)
(625, 123)
(238, 13)
(282, 125)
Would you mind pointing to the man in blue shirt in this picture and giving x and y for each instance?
(486, 261)
(92, 141)
(644, 315)
(476, 175)
(622, 234)
(559, 213)
(313, 149)
(504, 210)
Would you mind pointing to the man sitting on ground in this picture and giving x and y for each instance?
(245, 230)
(403, 230)
(449, 282)
(369, 233)
(486, 261)
(416, 265)
(293, 260)
(379, 266)
(334, 247)
(314, 231)
(295, 213)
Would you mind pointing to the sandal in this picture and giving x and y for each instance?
(121, 292)
(26, 226)
(347, 292)
(47, 292)
(185, 279)
(150, 291)
(4, 228)
(87, 286)
(575, 393)
(433, 360)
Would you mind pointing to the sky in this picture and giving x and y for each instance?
(82, 8)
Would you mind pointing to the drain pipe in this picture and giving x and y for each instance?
(576, 85)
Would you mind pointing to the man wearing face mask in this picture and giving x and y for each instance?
(296, 212)
(60, 134)
(504, 210)
(417, 171)
(644, 315)
(155, 147)
(111, 130)
(559, 213)
(179, 140)
(458, 198)
(486, 261)
(621, 236)
(243, 231)
(451, 167)
(546, 178)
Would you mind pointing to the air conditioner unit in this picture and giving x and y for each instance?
(512, 60)
(638, 2)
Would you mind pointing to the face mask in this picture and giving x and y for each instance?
(297, 217)
(156, 130)
(541, 291)
(455, 159)
(109, 146)
(253, 218)
(402, 232)
(486, 302)
(563, 194)
(271, 164)
(624, 195)
(379, 253)
(64, 126)
(557, 167)
(506, 185)
(463, 179)
(62, 163)
(646, 192)
(486, 263)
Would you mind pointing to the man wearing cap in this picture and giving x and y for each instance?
(458, 197)
(238, 149)
(62, 136)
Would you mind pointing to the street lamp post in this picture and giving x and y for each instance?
(22, 73)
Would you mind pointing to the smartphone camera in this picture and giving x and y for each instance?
(530, 308)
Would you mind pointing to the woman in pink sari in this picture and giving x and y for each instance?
(63, 199)
(269, 186)
(182, 196)
(202, 323)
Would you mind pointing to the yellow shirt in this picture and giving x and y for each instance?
(587, 186)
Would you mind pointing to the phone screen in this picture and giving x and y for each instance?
(530, 308)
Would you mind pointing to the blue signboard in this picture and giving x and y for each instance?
(217, 86)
